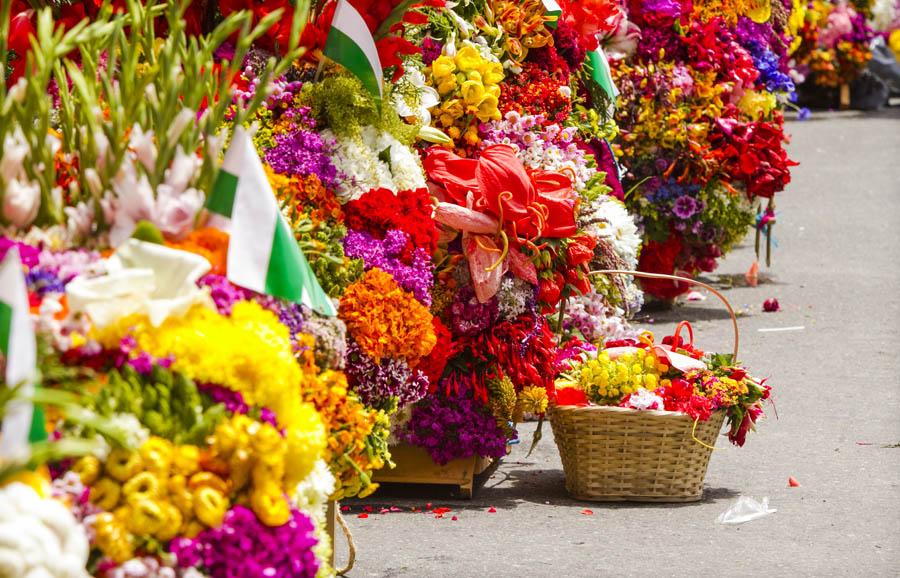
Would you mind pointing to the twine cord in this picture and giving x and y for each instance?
(351, 557)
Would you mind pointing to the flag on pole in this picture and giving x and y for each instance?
(351, 45)
(23, 422)
(263, 255)
(598, 68)
(553, 12)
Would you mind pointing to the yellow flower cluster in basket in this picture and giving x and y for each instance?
(385, 320)
(469, 86)
(157, 492)
(605, 381)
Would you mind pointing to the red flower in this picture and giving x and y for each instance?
(589, 18)
(390, 51)
(434, 363)
(660, 258)
(571, 396)
(276, 38)
(380, 210)
(549, 292)
(580, 250)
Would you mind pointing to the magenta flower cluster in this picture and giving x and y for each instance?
(415, 276)
(454, 427)
(303, 153)
(378, 384)
(468, 316)
(243, 547)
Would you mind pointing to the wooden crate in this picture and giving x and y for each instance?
(415, 466)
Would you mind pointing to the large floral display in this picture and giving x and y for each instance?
(831, 47)
(428, 213)
(702, 131)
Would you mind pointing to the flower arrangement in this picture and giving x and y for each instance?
(698, 94)
(834, 43)
(673, 376)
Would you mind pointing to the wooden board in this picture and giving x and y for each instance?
(415, 466)
(331, 525)
(845, 97)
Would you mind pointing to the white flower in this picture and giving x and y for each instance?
(21, 201)
(133, 202)
(314, 490)
(644, 399)
(17, 91)
(143, 145)
(39, 537)
(12, 157)
(175, 213)
(425, 96)
(183, 169)
(610, 220)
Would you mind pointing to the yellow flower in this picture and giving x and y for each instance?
(487, 109)
(533, 399)
(493, 73)
(472, 92)
(468, 58)
(442, 67)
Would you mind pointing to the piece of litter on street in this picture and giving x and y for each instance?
(395, 509)
(454, 518)
(792, 482)
(695, 296)
(752, 275)
(492, 510)
(363, 516)
(865, 444)
(345, 508)
(745, 509)
(774, 329)
(771, 305)
(587, 512)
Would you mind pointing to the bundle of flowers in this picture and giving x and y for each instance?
(701, 132)
(210, 416)
(351, 171)
(834, 42)
(673, 376)
(523, 202)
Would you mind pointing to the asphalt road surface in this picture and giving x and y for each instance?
(836, 382)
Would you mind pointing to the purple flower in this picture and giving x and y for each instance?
(454, 427)
(468, 316)
(43, 282)
(242, 547)
(234, 402)
(303, 153)
(387, 255)
(685, 207)
(804, 114)
(431, 50)
(379, 384)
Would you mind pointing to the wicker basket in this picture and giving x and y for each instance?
(613, 454)
(616, 454)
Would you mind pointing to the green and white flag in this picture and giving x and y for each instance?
(553, 12)
(23, 422)
(598, 68)
(263, 255)
(351, 45)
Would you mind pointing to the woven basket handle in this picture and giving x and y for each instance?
(676, 335)
(734, 324)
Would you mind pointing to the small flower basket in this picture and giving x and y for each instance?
(618, 454)
(613, 453)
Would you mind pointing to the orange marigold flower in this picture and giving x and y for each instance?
(385, 320)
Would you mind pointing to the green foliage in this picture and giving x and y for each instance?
(165, 402)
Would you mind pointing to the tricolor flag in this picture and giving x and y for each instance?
(351, 45)
(598, 68)
(23, 422)
(553, 12)
(263, 255)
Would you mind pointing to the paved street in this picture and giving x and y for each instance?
(836, 387)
